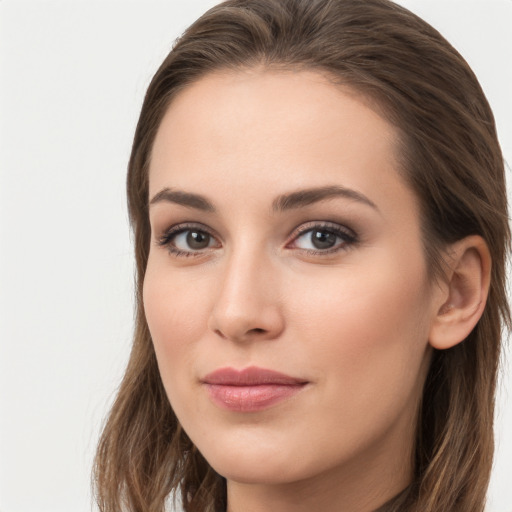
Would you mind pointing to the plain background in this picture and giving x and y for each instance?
(72, 77)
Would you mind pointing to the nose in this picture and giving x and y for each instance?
(247, 307)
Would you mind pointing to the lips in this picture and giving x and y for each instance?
(251, 389)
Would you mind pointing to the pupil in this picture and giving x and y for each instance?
(323, 239)
(198, 240)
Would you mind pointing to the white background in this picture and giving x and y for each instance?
(72, 77)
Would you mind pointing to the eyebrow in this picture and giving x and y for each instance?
(309, 196)
(184, 199)
(290, 201)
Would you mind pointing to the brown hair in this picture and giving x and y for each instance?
(451, 159)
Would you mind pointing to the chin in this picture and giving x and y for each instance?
(261, 470)
(259, 460)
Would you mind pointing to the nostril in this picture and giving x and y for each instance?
(256, 330)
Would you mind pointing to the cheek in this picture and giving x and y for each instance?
(177, 318)
(369, 327)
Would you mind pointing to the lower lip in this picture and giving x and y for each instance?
(251, 398)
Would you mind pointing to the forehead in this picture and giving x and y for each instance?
(269, 131)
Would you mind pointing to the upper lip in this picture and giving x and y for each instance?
(251, 376)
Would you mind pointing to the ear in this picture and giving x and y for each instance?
(464, 294)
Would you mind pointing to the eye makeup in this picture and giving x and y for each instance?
(197, 236)
(314, 238)
(323, 238)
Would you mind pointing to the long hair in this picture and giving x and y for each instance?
(451, 159)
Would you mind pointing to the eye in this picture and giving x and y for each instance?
(192, 239)
(188, 241)
(323, 239)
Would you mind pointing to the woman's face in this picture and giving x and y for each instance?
(284, 239)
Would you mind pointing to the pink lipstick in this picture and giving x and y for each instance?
(251, 389)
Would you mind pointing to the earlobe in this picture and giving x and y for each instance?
(466, 290)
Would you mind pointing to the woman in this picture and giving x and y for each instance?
(317, 195)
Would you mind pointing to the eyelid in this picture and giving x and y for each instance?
(322, 225)
(164, 240)
(346, 234)
(339, 230)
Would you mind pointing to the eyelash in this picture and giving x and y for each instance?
(347, 236)
(166, 239)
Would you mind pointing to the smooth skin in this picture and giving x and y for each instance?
(335, 292)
